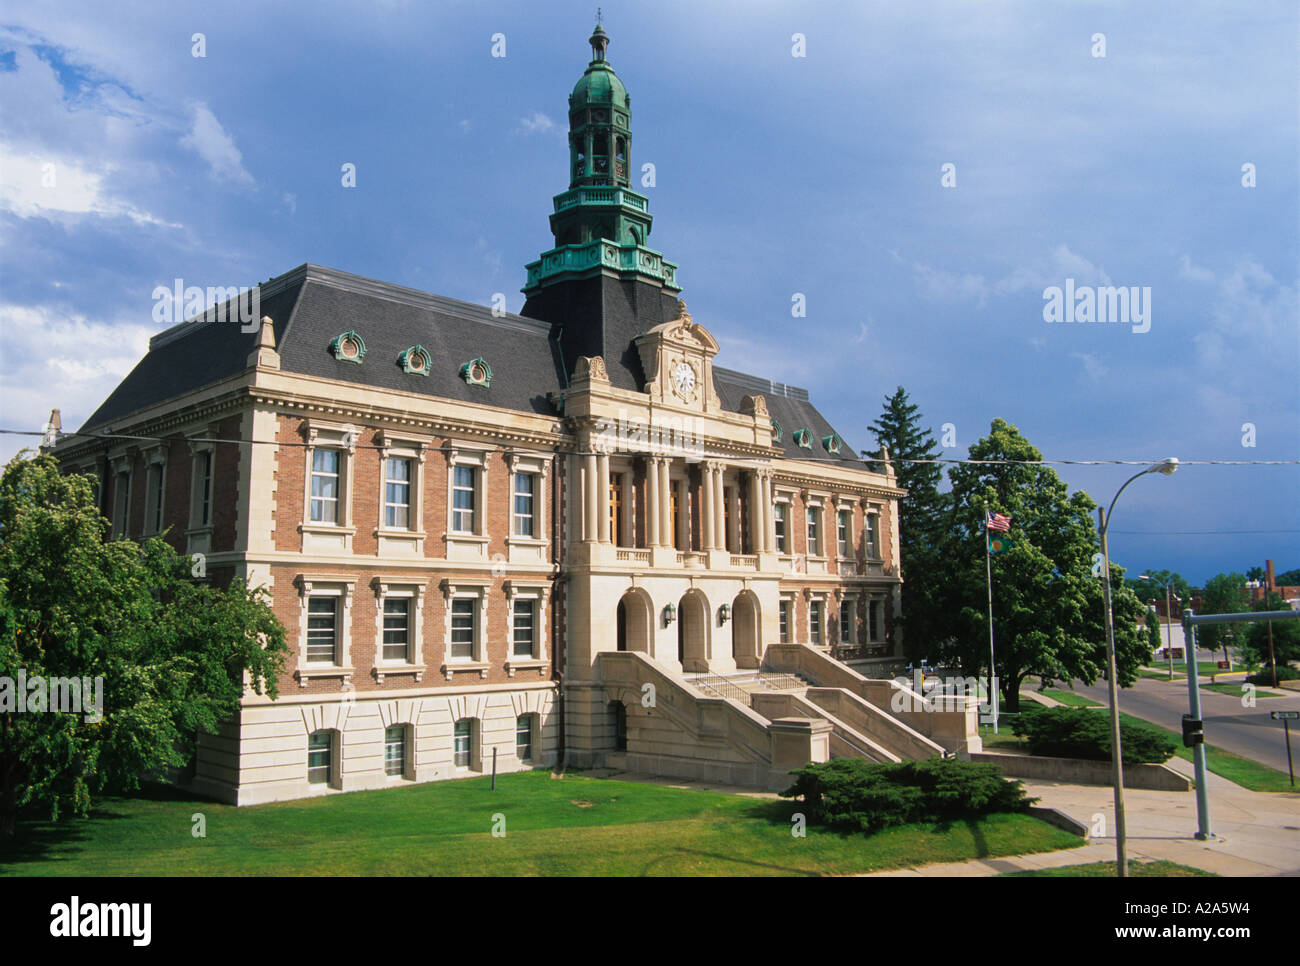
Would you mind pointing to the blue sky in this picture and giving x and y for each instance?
(775, 175)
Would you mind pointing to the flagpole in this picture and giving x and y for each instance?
(988, 566)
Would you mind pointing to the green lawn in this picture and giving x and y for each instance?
(1072, 699)
(1157, 869)
(1236, 692)
(1158, 675)
(577, 825)
(1243, 771)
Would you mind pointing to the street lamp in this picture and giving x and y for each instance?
(1165, 467)
(1169, 620)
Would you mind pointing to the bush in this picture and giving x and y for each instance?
(1085, 733)
(859, 795)
(1265, 674)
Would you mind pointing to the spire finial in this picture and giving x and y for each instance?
(599, 40)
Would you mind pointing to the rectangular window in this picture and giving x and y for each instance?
(783, 612)
(524, 631)
(616, 508)
(320, 754)
(846, 622)
(523, 508)
(155, 509)
(324, 485)
(461, 743)
(122, 517)
(675, 511)
(464, 480)
(397, 493)
(815, 621)
(778, 519)
(322, 629)
(869, 538)
(205, 488)
(524, 737)
(813, 519)
(842, 533)
(397, 629)
(462, 627)
(874, 615)
(395, 750)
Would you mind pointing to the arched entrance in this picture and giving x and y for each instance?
(693, 631)
(746, 647)
(634, 622)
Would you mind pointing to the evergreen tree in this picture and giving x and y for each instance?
(899, 429)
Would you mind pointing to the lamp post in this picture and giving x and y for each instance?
(1169, 622)
(1164, 467)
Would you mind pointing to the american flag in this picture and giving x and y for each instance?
(998, 522)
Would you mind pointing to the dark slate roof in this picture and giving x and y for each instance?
(789, 406)
(310, 305)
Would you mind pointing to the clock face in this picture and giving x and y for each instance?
(684, 379)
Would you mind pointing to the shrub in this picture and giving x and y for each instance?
(1085, 733)
(1265, 674)
(859, 795)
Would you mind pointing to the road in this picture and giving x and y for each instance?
(1248, 732)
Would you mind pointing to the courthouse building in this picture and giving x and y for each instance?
(566, 535)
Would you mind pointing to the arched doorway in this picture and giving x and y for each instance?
(693, 631)
(746, 647)
(634, 622)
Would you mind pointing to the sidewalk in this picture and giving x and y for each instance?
(1254, 833)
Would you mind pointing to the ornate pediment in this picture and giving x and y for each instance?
(677, 358)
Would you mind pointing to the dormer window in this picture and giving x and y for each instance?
(415, 360)
(832, 444)
(348, 347)
(477, 372)
(802, 438)
(777, 432)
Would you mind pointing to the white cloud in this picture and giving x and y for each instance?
(536, 123)
(33, 186)
(1093, 367)
(209, 140)
(1189, 271)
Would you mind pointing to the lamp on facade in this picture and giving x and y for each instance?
(724, 613)
(670, 614)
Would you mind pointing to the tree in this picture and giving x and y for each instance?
(1154, 588)
(1153, 631)
(1289, 579)
(1223, 594)
(164, 655)
(1048, 604)
(1255, 573)
(921, 514)
(1286, 635)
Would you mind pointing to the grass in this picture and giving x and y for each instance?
(1236, 692)
(1157, 869)
(1158, 675)
(578, 825)
(1242, 771)
(1071, 699)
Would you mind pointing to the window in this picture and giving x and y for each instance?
(874, 615)
(846, 622)
(462, 742)
(462, 627)
(464, 484)
(524, 737)
(397, 493)
(397, 629)
(154, 511)
(205, 488)
(778, 519)
(815, 621)
(524, 631)
(122, 503)
(843, 527)
(320, 757)
(525, 486)
(324, 485)
(616, 508)
(620, 725)
(322, 630)
(783, 615)
(395, 750)
(869, 538)
(674, 510)
(814, 518)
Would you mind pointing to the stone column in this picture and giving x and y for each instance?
(756, 512)
(651, 504)
(708, 532)
(602, 496)
(719, 517)
(769, 519)
(589, 497)
(666, 536)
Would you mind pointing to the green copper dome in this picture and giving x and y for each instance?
(599, 86)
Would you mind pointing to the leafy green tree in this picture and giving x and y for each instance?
(1153, 631)
(170, 653)
(1286, 635)
(1289, 579)
(1048, 604)
(922, 516)
(1255, 573)
(1222, 594)
(1154, 588)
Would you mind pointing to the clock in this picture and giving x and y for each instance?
(684, 380)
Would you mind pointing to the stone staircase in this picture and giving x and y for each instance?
(743, 685)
